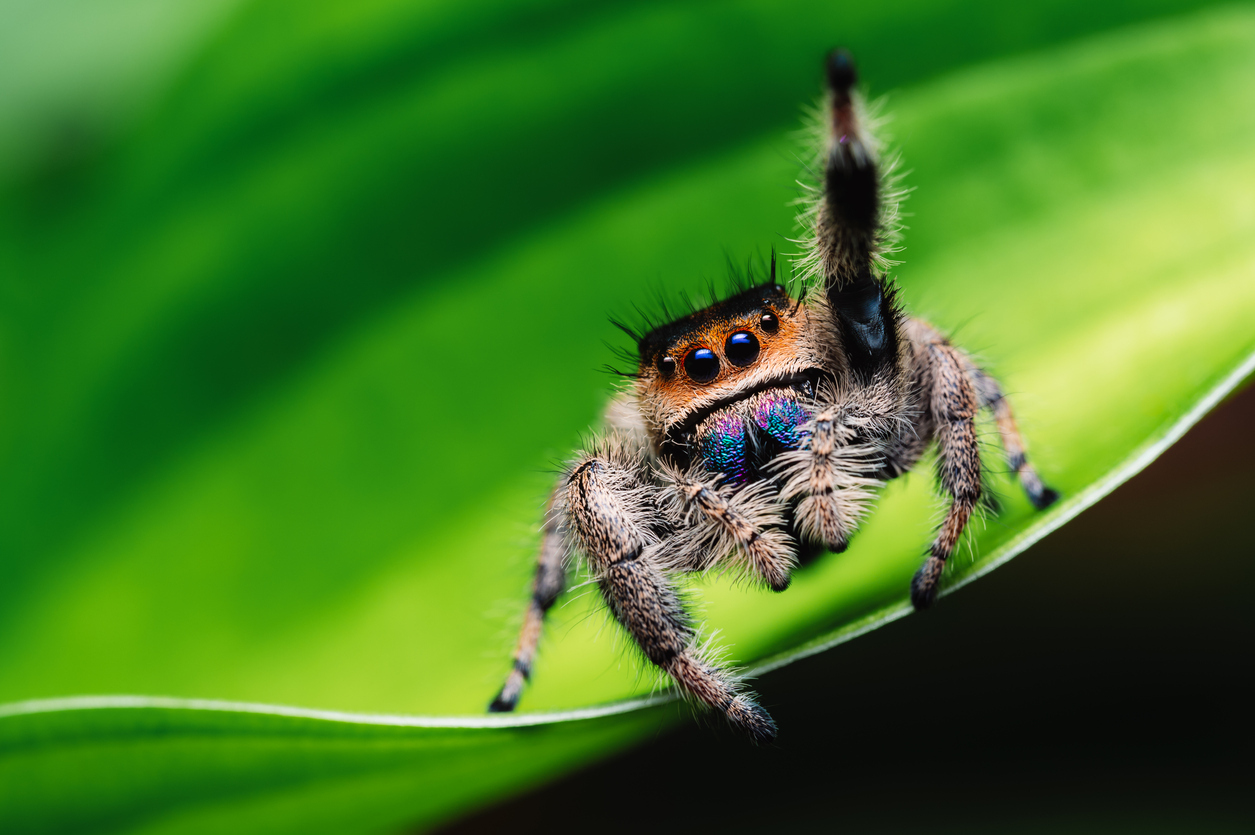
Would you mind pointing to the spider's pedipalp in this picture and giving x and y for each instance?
(831, 477)
(716, 523)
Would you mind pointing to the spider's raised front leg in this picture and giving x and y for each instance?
(611, 506)
(853, 223)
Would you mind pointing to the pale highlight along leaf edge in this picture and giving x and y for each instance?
(1065, 512)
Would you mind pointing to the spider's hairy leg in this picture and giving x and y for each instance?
(623, 419)
(1013, 446)
(716, 521)
(847, 219)
(612, 512)
(549, 583)
(953, 403)
(853, 223)
(832, 476)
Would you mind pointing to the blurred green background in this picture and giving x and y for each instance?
(302, 303)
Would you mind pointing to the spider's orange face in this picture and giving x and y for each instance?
(758, 339)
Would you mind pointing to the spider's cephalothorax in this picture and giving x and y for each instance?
(763, 426)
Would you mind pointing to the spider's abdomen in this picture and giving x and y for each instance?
(741, 440)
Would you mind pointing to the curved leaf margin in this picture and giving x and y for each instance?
(1067, 510)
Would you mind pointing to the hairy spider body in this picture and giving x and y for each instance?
(761, 427)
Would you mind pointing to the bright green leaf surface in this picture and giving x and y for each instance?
(73, 72)
(359, 538)
(321, 163)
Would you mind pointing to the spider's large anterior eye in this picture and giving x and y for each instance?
(741, 348)
(666, 366)
(769, 323)
(702, 365)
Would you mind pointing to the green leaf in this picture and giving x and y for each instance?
(74, 73)
(357, 532)
(315, 167)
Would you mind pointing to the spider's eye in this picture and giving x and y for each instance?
(741, 348)
(666, 366)
(769, 323)
(702, 365)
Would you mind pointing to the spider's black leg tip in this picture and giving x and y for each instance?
(1045, 498)
(502, 704)
(749, 717)
(766, 734)
(924, 584)
(922, 598)
(842, 74)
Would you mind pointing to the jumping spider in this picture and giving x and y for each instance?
(763, 425)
